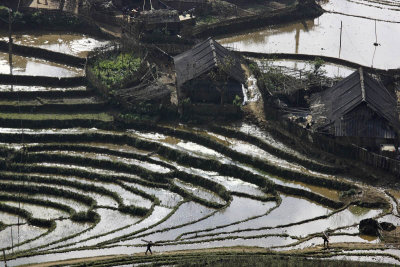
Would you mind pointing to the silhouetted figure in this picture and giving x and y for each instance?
(149, 244)
(325, 237)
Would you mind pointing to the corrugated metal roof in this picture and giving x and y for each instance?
(202, 58)
(358, 88)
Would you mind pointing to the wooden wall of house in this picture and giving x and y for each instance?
(202, 90)
(363, 122)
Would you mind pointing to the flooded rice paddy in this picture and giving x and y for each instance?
(37, 67)
(321, 36)
(195, 196)
(66, 43)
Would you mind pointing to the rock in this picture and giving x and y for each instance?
(387, 226)
(369, 227)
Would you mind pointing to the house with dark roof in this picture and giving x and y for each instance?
(209, 73)
(358, 107)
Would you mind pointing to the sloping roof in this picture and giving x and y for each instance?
(359, 88)
(202, 58)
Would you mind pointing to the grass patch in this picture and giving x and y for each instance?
(269, 260)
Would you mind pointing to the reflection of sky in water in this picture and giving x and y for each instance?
(330, 70)
(343, 218)
(321, 36)
(365, 8)
(291, 210)
(239, 209)
(68, 43)
(36, 67)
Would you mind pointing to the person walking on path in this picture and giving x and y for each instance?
(325, 237)
(149, 244)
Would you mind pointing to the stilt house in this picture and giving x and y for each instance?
(194, 74)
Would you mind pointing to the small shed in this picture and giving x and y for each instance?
(358, 106)
(194, 67)
(159, 19)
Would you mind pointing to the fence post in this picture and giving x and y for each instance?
(4, 257)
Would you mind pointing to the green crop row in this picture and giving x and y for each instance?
(28, 216)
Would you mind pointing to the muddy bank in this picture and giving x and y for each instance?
(42, 80)
(306, 57)
(43, 54)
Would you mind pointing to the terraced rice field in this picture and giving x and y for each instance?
(73, 186)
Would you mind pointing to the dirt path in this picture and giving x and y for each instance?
(240, 249)
(74, 261)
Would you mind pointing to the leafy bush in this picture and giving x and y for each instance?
(39, 19)
(118, 70)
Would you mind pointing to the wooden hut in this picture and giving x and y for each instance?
(358, 108)
(195, 74)
(159, 19)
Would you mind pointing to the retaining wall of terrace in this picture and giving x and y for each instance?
(37, 52)
(309, 10)
(306, 57)
(42, 80)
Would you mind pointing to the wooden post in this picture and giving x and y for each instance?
(10, 39)
(340, 44)
(12, 240)
(4, 257)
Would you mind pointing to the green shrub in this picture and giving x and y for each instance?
(117, 70)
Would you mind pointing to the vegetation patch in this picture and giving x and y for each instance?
(117, 70)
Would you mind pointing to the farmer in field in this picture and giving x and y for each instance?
(325, 237)
(149, 244)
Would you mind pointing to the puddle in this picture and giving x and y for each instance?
(37, 67)
(199, 192)
(67, 43)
